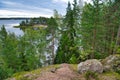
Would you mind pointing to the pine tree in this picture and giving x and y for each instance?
(92, 30)
(3, 33)
(67, 46)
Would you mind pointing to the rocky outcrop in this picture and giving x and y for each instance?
(63, 72)
(90, 65)
(111, 63)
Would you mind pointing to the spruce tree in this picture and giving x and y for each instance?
(67, 47)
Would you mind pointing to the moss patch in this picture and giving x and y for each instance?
(31, 75)
(109, 76)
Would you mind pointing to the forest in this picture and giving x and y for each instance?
(91, 31)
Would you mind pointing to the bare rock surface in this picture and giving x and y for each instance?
(64, 72)
(111, 63)
(93, 65)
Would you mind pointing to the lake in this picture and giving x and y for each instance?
(9, 26)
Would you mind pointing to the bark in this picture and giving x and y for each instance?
(117, 41)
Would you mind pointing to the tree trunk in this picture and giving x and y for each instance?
(94, 44)
(112, 40)
(117, 41)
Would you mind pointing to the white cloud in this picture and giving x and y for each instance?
(61, 1)
(66, 1)
(14, 9)
(9, 3)
(15, 5)
(9, 13)
(88, 1)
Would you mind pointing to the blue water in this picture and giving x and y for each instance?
(9, 26)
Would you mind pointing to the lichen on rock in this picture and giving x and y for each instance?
(111, 63)
(93, 65)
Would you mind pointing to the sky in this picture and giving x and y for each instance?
(32, 8)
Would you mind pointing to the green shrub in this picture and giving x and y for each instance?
(5, 73)
(98, 55)
(89, 75)
(73, 59)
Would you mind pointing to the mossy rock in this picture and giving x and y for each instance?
(112, 63)
(36, 74)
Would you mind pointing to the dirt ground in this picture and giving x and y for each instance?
(65, 72)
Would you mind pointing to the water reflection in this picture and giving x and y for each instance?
(9, 26)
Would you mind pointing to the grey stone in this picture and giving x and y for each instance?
(111, 63)
(93, 65)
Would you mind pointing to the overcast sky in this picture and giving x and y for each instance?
(32, 8)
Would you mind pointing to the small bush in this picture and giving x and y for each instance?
(98, 55)
(89, 75)
(73, 59)
(5, 73)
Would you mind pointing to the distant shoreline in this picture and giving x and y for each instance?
(14, 18)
